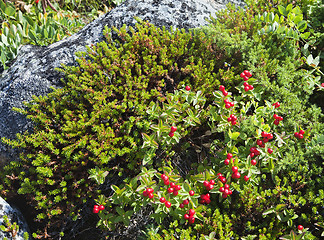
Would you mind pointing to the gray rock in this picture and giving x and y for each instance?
(33, 71)
(14, 216)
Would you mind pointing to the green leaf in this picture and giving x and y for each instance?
(282, 10)
(10, 11)
(302, 25)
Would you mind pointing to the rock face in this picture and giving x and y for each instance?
(14, 215)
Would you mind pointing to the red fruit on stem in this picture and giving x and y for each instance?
(224, 195)
(101, 207)
(300, 227)
(227, 105)
(150, 195)
(252, 149)
(302, 131)
(253, 162)
(226, 101)
(177, 187)
(322, 84)
(210, 187)
(223, 180)
(191, 193)
(166, 182)
(280, 118)
(234, 169)
(229, 119)
(188, 88)
(276, 104)
(162, 200)
(225, 93)
(232, 104)
(221, 88)
(226, 162)
(186, 202)
(245, 84)
(276, 122)
(275, 116)
(251, 87)
(226, 191)
(207, 201)
(234, 118)
(270, 151)
(229, 155)
(206, 183)
(212, 181)
(171, 134)
(175, 193)
(221, 189)
(150, 190)
(191, 220)
(145, 193)
(259, 142)
(245, 78)
(163, 176)
(246, 178)
(242, 75)
(95, 210)
(172, 184)
(300, 136)
(265, 140)
(230, 192)
(173, 129)
(181, 205)
(237, 175)
(257, 152)
(247, 73)
(186, 216)
(226, 186)
(167, 204)
(296, 134)
(234, 123)
(170, 190)
(270, 136)
(246, 89)
(207, 196)
(192, 212)
(264, 134)
(252, 155)
(219, 175)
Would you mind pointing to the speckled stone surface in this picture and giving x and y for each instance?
(14, 215)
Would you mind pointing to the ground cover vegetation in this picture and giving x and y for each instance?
(215, 134)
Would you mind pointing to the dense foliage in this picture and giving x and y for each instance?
(118, 104)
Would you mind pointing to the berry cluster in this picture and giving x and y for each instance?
(276, 104)
(277, 119)
(299, 134)
(232, 119)
(222, 89)
(209, 185)
(173, 129)
(97, 208)
(228, 159)
(148, 193)
(225, 191)
(247, 87)
(221, 178)
(190, 216)
(205, 198)
(266, 136)
(185, 202)
(236, 174)
(245, 75)
(174, 189)
(228, 104)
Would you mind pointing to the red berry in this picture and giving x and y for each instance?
(191, 220)
(232, 104)
(177, 187)
(150, 195)
(247, 73)
(188, 88)
(296, 134)
(225, 93)
(145, 193)
(224, 195)
(191, 193)
(101, 207)
(259, 142)
(246, 178)
(227, 161)
(171, 134)
(226, 186)
(257, 152)
(227, 105)
(223, 180)
(322, 84)
(245, 78)
(162, 200)
(251, 87)
(186, 216)
(221, 88)
(234, 123)
(170, 190)
(207, 201)
(234, 118)
(206, 183)
(276, 122)
(230, 192)
(280, 118)
(300, 136)
(270, 136)
(252, 149)
(265, 140)
(252, 154)
(181, 205)
(264, 134)
(95, 210)
(253, 162)
(186, 202)
(167, 204)
(242, 75)
(150, 190)
(211, 181)
(221, 189)
(173, 129)
(229, 119)
(270, 151)
(226, 101)
(207, 196)
(219, 175)
(300, 227)
(275, 116)
(226, 191)
(166, 182)
(229, 155)
(210, 187)
(175, 193)
(234, 169)
(172, 184)
(246, 89)
(245, 84)
(163, 176)
(302, 131)
(276, 104)
(236, 175)
(192, 212)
